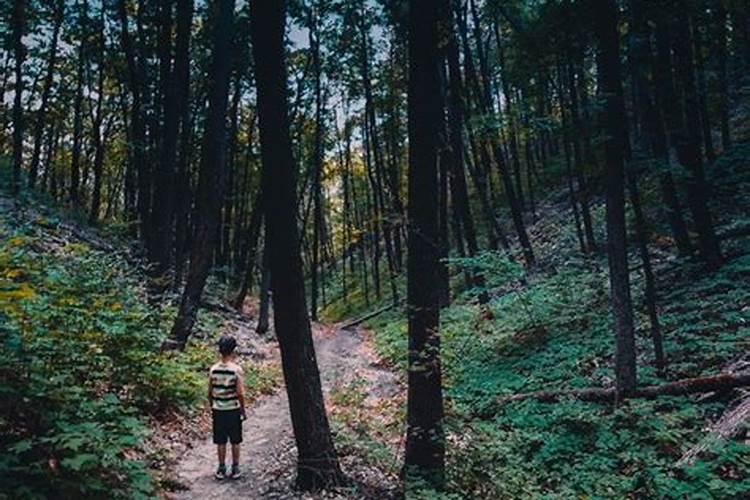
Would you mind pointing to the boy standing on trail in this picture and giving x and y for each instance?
(226, 393)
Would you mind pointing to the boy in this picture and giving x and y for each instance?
(226, 394)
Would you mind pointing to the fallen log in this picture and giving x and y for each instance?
(370, 315)
(724, 429)
(722, 382)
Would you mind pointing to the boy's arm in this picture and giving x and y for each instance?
(241, 392)
(210, 396)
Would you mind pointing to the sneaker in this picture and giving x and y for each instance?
(236, 473)
(221, 472)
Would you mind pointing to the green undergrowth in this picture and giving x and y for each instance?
(551, 329)
(80, 368)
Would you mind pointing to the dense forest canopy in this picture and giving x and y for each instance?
(495, 188)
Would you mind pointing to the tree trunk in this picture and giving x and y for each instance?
(700, 72)
(614, 121)
(588, 227)
(211, 178)
(19, 51)
(721, 49)
(162, 213)
(688, 141)
(75, 165)
(569, 163)
(316, 166)
(667, 120)
(253, 233)
(317, 464)
(184, 21)
(265, 292)
(137, 144)
(41, 113)
(642, 233)
(425, 444)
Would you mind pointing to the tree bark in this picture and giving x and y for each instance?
(19, 52)
(162, 213)
(137, 145)
(642, 233)
(667, 121)
(614, 121)
(75, 164)
(212, 175)
(253, 233)
(688, 141)
(98, 135)
(41, 113)
(316, 166)
(425, 443)
(721, 49)
(317, 463)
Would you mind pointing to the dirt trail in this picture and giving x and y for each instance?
(268, 443)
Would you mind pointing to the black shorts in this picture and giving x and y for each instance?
(227, 426)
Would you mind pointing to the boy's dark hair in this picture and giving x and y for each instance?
(227, 343)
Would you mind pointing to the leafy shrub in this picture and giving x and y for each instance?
(79, 364)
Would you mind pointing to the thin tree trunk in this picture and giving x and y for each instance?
(19, 51)
(98, 135)
(721, 49)
(75, 165)
(137, 144)
(41, 113)
(667, 121)
(253, 233)
(265, 292)
(642, 234)
(181, 207)
(316, 166)
(700, 71)
(162, 212)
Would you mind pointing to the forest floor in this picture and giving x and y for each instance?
(346, 359)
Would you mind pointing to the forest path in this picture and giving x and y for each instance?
(268, 450)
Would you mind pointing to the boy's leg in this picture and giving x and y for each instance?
(221, 451)
(235, 454)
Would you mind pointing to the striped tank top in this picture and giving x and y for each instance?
(224, 378)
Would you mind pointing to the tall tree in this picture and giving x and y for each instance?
(425, 445)
(211, 176)
(98, 135)
(610, 74)
(162, 214)
(41, 113)
(19, 53)
(688, 139)
(317, 160)
(317, 462)
(137, 147)
(75, 162)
